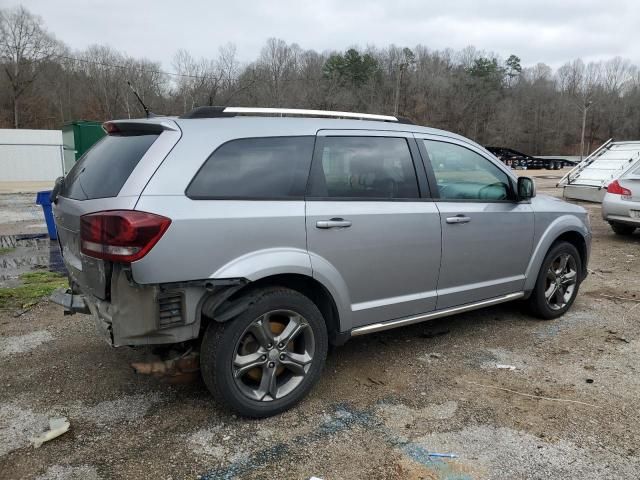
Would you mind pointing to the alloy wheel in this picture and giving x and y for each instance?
(561, 281)
(273, 355)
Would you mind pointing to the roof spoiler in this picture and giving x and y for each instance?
(137, 127)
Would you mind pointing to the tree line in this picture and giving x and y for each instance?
(43, 84)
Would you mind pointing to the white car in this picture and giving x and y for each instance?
(621, 203)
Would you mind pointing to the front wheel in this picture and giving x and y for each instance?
(266, 359)
(557, 283)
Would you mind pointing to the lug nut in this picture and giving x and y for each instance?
(280, 345)
(269, 346)
(263, 357)
(272, 364)
(282, 356)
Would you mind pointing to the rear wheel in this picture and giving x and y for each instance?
(622, 229)
(267, 358)
(557, 283)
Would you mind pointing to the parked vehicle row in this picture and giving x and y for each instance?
(518, 160)
(260, 240)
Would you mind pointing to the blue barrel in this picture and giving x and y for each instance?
(44, 199)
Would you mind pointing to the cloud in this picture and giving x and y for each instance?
(546, 31)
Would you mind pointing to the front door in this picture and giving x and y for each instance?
(371, 225)
(487, 236)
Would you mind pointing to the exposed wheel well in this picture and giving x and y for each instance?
(303, 284)
(577, 240)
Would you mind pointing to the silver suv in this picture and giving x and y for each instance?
(259, 236)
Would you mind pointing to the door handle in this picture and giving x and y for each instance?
(333, 223)
(458, 219)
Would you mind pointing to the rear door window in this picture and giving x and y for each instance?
(364, 167)
(273, 168)
(104, 169)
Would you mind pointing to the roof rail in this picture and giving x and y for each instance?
(217, 112)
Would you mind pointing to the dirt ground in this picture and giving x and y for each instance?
(384, 403)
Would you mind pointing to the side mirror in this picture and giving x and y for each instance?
(526, 188)
(56, 189)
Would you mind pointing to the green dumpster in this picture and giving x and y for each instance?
(78, 137)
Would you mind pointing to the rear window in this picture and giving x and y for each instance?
(255, 168)
(104, 169)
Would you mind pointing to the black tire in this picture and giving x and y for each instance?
(221, 342)
(557, 166)
(622, 229)
(537, 304)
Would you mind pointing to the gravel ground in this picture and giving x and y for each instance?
(384, 403)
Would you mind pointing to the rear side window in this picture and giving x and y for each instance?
(364, 167)
(104, 169)
(255, 168)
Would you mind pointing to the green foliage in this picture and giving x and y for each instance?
(350, 68)
(488, 68)
(35, 286)
(5, 250)
(513, 65)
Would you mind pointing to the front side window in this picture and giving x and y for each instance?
(364, 167)
(462, 174)
(255, 168)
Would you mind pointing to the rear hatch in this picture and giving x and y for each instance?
(110, 176)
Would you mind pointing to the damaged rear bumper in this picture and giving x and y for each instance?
(72, 303)
(137, 314)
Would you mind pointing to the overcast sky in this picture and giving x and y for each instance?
(549, 31)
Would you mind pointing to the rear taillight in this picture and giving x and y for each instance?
(617, 189)
(120, 235)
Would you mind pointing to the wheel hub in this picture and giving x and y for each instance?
(562, 278)
(273, 355)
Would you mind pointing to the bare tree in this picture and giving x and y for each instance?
(278, 62)
(472, 92)
(24, 46)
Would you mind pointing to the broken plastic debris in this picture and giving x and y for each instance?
(57, 426)
(501, 366)
(443, 455)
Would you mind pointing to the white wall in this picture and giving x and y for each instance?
(30, 155)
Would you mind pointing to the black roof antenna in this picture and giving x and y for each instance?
(146, 109)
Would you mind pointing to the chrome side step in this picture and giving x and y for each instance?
(378, 327)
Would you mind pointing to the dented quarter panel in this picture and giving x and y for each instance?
(221, 239)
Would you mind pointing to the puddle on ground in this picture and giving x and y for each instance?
(28, 252)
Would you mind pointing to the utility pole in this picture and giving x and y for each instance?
(585, 107)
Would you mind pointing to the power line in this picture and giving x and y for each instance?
(125, 67)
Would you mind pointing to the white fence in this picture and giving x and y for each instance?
(30, 155)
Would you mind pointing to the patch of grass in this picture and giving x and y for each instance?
(5, 250)
(35, 286)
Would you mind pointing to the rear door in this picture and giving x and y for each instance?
(371, 223)
(487, 236)
(107, 177)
